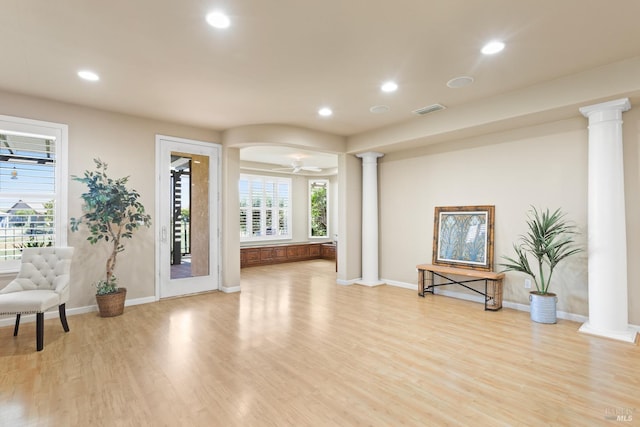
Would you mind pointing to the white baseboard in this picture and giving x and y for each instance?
(348, 282)
(138, 301)
(477, 298)
(53, 314)
(230, 289)
(627, 335)
(403, 285)
(370, 284)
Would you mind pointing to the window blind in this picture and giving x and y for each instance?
(27, 193)
(264, 207)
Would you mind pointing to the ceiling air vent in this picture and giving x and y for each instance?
(429, 109)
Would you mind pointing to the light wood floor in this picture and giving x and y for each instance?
(293, 348)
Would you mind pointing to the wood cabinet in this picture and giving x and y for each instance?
(328, 251)
(292, 252)
(315, 250)
(280, 254)
(265, 255)
(251, 256)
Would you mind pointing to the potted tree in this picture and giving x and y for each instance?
(112, 212)
(549, 240)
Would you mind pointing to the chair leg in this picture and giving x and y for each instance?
(15, 328)
(39, 331)
(63, 317)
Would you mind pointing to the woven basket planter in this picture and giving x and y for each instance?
(111, 305)
(543, 307)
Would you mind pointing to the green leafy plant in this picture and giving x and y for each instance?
(104, 287)
(112, 212)
(319, 211)
(549, 240)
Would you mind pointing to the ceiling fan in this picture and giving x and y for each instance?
(297, 166)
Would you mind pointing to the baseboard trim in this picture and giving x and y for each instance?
(370, 284)
(138, 301)
(53, 313)
(476, 298)
(348, 282)
(230, 289)
(403, 285)
(629, 335)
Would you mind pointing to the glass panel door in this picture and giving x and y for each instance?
(188, 188)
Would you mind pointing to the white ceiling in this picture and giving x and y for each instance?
(285, 156)
(282, 60)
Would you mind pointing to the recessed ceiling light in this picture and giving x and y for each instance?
(459, 82)
(492, 47)
(325, 112)
(389, 87)
(379, 109)
(88, 75)
(218, 20)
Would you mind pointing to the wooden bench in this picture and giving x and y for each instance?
(492, 282)
(274, 254)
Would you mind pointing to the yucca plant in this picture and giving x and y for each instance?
(549, 240)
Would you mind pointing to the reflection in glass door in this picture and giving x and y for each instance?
(188, 217)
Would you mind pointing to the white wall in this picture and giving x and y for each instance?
(544, 166)
(127, 144)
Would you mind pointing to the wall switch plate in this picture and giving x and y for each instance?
(527, 283)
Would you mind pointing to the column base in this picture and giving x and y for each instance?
(628, 335)
(369, 283)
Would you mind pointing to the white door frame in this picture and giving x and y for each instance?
(162, 238)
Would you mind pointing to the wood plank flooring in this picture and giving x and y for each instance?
(295, 349)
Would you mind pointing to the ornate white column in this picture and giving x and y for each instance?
(370, 218)
(607, 235)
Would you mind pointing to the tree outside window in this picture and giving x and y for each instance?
(318, 212)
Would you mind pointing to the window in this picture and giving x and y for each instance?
(33, 180)
(318, 208)
(265, 208)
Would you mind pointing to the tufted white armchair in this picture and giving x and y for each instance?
(41, 284)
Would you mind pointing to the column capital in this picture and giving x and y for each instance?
(369, 156)
(618, 105)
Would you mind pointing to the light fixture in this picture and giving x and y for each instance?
(218, 20)
(389, 86)
(325, 112)
(14, 173)
(492, 47)
(459, 82)
(88, 75)
(379, 109)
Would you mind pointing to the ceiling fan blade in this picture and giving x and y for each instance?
(311, 168)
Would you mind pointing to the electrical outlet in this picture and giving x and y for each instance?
(527, 283)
